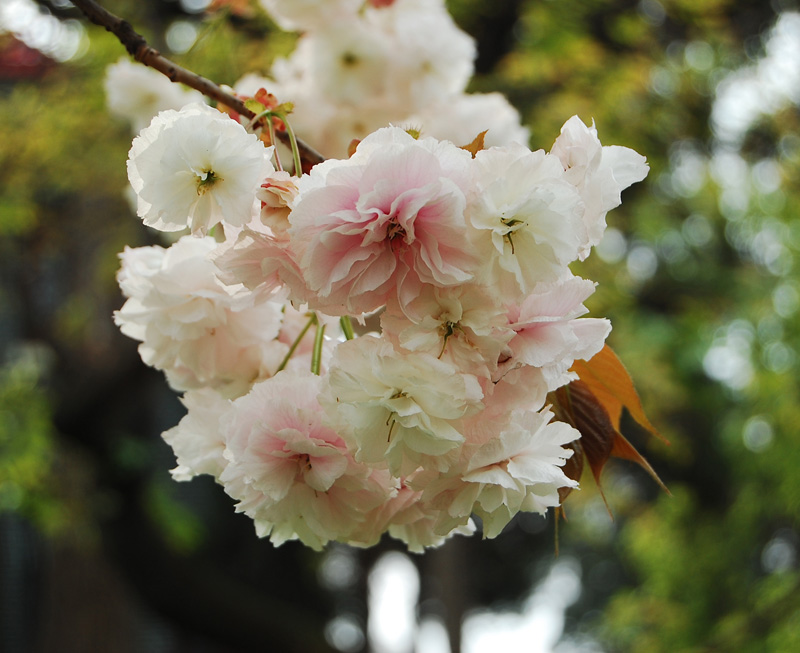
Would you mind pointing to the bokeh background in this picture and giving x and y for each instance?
(101, 551)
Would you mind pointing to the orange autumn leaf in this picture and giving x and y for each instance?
(613, 387)
(476, 145)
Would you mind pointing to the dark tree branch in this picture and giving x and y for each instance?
(138, 48)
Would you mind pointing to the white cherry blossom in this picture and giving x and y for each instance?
(599, 173)
(137, 93)
(457, 264)
(302, 15)
(196, 167)
(460, 118)
(401, 408)
(200, 332)
(196, 440)
(527, 216)
(519, 469)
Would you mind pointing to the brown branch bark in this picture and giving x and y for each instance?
(138, 48)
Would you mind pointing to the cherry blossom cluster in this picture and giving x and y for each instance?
(455, 263)
(452, 262)
(361, 65)
(358, 65)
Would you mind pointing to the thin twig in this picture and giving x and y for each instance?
(138, 48)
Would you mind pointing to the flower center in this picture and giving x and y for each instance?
(390, 420)
(395, 231)
(350, 60)
(446, 330)
(304, 463)
(513, 225)
(206, 180)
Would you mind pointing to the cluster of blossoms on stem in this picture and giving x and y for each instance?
(460, 264)
(358, 65)
(361, 65)
(455, 262)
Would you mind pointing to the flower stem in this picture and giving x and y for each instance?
(141, 51)
(285, 361)
(347, 327)
(278, 165)
(298, 166)
(316, 354)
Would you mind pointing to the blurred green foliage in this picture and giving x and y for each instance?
(702, 292)
(25, 461)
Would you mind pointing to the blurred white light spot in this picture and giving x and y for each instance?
(767, 175)
(663, 81)
(17, 15)
(642, 263)
(672, 247)
(699, 55)
(773, 82)
(345, 634)
(728, 359)
(688, 172)
(181, 36)
(729, 169)
(652, 11)
(339, 569)
(612, 247)
(432, 637)
(786, 300)
(757, 434)
(780, 554)
(38, 29)
(540, 624)
(768, 249)
(779, 357)
(734, 201)
(789, 147)
(393, 592)
(728, 365)
(194, 6)
(697, 230)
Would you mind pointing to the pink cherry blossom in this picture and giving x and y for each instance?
(289, 470)
(549, 335)
(383, 224)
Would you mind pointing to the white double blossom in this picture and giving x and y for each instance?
(198, 331)
(196, 167)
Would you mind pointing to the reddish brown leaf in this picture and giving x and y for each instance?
(573, 468)
(611, 384)
(476, 145)
(591, 420)
(600, 440)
